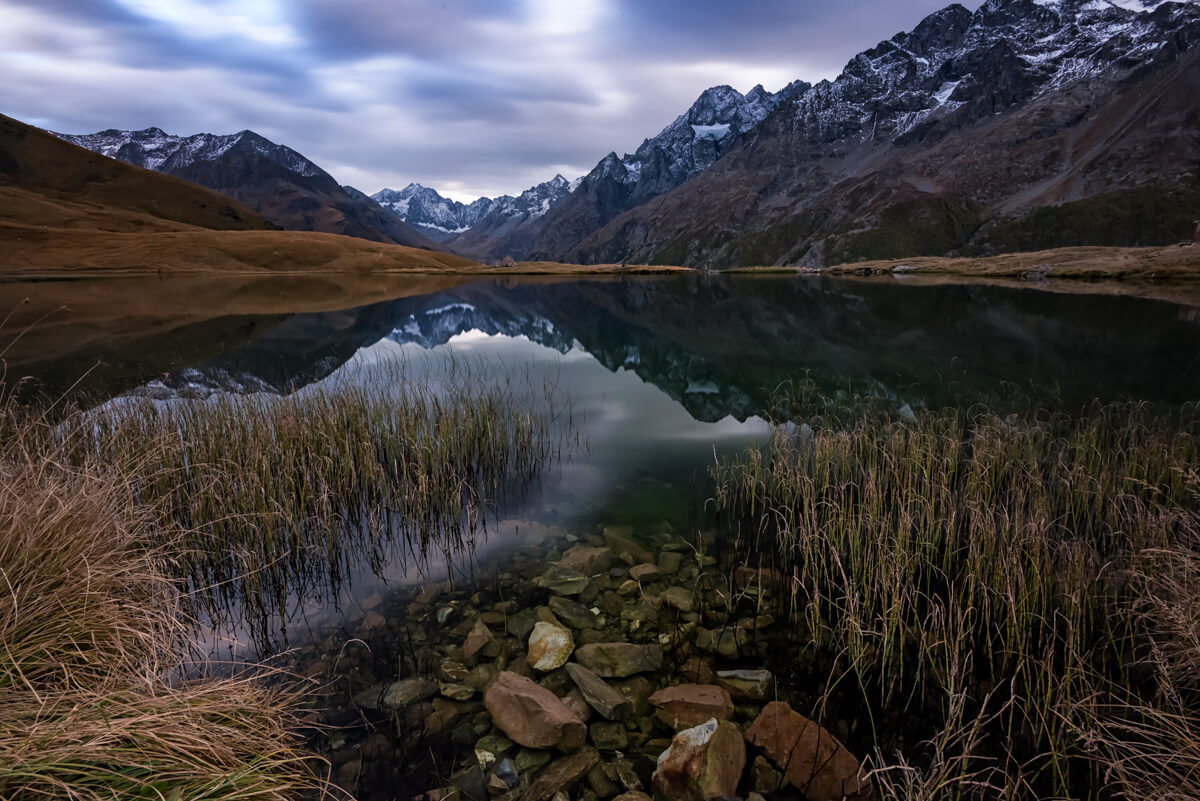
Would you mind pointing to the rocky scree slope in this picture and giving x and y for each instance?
(269, 178)
(1023, 125)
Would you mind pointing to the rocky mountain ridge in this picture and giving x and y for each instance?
(442, 218)
(691, 143)
(948, 138)
(272, 179)
(1025, 124)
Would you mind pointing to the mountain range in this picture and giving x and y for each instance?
(1023, 125)
(441, 218)
(67, 210)
(272, 179)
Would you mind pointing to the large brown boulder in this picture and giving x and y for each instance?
(531, 715)
(688, 705)
(702, 763)
(812, 759)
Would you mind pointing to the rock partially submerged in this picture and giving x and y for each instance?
(531, 715)
(812, 759)
(702, 763)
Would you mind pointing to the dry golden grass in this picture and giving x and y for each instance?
(1176, 262)
(90, 636)
(46, 181)
(1026, 589)
(43, 252)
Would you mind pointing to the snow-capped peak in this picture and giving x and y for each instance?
(155, 149)
(422, 206)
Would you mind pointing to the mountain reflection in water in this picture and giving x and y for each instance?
(720, 345)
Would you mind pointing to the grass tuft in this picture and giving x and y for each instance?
(1017, 594)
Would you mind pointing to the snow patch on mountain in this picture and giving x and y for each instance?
(155, 149)
(422, 206)
(1008, 51)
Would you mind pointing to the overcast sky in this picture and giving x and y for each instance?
(470, 97)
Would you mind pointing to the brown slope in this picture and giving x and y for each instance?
(1123, 155)
(296, 201)
(46, 181)
(65, 210)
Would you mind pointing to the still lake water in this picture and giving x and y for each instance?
(658, 375)
(661, 373)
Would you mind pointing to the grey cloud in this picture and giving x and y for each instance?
(452, 94)
(353, 29)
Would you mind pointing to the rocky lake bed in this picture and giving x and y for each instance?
(592, 666)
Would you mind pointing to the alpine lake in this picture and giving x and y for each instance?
(634, 572)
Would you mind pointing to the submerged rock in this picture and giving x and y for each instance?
(702, 763)
(678, 598)
(619, 659)
(397, 695)
(550, 647)
(530, 760)
(455, 692)
(561, 774)
(811, 758)
(748, 685)
(531, 715)
(688, 705)
(669, 562)
(624, 546)
(563, 580)
(587, 560)
(573, 613)
(609, 735)
(480, 642)
(604, 699)
(575, 702)
(506, 771)
(644, 572)
(728, 641)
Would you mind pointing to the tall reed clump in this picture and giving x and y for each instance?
(90, 631)
(282, 498)
(1021, 593)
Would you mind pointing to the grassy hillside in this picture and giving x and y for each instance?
(46, 181)
(65, 210)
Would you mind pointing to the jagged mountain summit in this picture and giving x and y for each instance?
(544, 217)
(688, 145)
(1024, 124)
(441, 218)
(272, 179)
